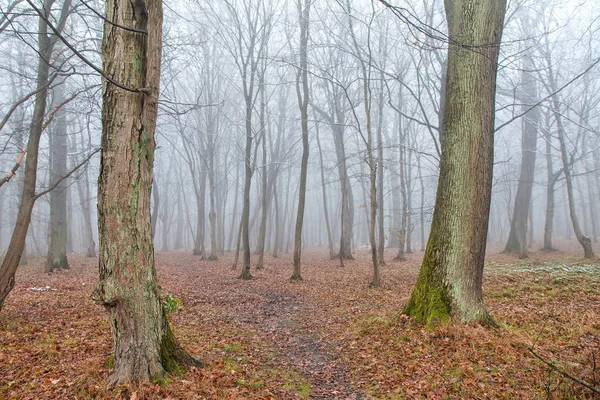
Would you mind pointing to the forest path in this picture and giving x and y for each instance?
(288, 321)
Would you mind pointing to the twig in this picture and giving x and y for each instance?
(14, 169)
(62, 178)
(112, 23)
(79, 55)
(564, 373)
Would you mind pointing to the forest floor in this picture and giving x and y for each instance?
(328, 337)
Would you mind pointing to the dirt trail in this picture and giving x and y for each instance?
(283, 320)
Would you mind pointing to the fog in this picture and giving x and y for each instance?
(231, 70)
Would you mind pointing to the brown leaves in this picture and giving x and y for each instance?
(328, 337)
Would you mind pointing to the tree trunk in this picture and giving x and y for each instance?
(57, 248)
(262, 236)
(155, 206)
(403, 219)
(409, 221)
(552, 177)
(235, 205)
(277, 224)
(212, 215)
(200, 190)
(245, 273)
(302, 93)
(17, 242)
(585, 241)
(380, 204)
(324, 188)
(420, 172)
(517, 238)
(450, 280)
(144, 345)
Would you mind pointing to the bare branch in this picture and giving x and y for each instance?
(14, 169)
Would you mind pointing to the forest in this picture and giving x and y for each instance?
(303, 199)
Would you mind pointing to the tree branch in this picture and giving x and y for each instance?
(59, 181)
(14, 169)
(79, 55)
(564, 373)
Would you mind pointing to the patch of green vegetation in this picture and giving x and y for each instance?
(252, 384)
(293, 382)
(9, 325)
(429, 303)
(161, 381)
(170, 303)
(46, 341)
(302, 389)
(402, 339)
(509, 293)
(372, 325)
(231, 365)
(232, 348)
(455, 372)
(110, 363)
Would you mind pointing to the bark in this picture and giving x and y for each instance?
(517, 238)
(144, 345)
(155, 206)
(302, 93)
(17, 242)
(449, 285)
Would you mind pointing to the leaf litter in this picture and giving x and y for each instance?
(328, 337)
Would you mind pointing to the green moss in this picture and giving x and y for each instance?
(161, 381)
(168, 353)
(429, 303)
(110, 363)
(232, 348)
(137, 62)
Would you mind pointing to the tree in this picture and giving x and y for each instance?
(144, 344)
(302, 80)
(450, 280)
(57, 249)
(46, 43)
(517, 238)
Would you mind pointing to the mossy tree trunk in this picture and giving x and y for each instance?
(144, 345)
(449, 285)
